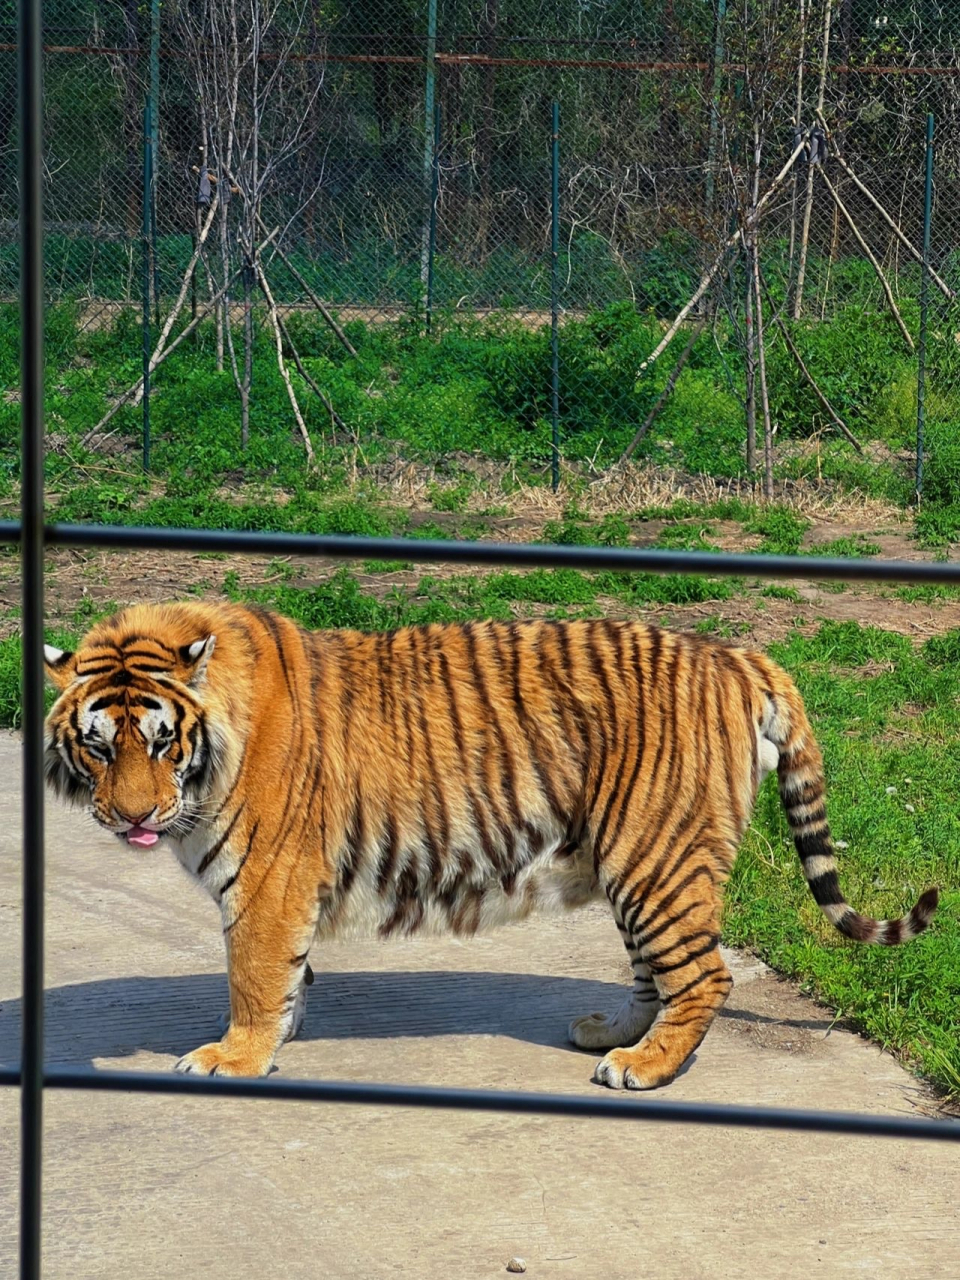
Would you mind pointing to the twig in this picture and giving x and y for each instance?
(811, 169)
(157, 361)
(891, 222)
(171, 319)
(282, 364)
(662, 398)
(335, 418)
(711, 272)
(321, 306)
(792, 348)
(872, 258)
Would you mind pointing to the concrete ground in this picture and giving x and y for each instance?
(156, 1187)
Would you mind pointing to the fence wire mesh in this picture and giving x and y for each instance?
(387, 166)
(676, 120)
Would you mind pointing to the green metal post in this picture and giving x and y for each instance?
(715, 105)
(429, 97)
(924, 305)
(154, 146)
(434, 192)
(555, 292)
(145, 271)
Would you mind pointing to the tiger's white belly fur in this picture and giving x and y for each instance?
(458, 904)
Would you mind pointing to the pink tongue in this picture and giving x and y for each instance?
(141, 837)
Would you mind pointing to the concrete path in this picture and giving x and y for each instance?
(145, 1187)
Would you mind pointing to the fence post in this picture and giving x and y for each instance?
(434, 192)
(145, 270)
(429, 95)
(554, 293)
(924, 306)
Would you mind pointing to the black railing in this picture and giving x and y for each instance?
(32, 534)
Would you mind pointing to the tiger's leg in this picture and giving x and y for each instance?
(677, 935)
(299, 1009)
(632, 1019)
(268, 975)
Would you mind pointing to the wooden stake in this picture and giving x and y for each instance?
(873, 261)
(662, 399)
(711, 272)
(837, 421)
(282, 364)
(891, 222)
(808, 206)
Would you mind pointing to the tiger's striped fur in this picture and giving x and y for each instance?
(445, 778)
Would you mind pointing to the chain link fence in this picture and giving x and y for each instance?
(321, 173)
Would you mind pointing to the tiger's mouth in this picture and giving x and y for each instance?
(140, 837)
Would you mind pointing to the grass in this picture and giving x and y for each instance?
(891, 743)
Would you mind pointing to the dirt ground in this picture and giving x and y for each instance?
(129, 577)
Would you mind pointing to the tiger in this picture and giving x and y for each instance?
(445, 778)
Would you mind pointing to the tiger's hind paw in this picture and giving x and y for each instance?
(610, 1031)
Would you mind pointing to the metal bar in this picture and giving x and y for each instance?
(478, 59)
(602, 1106)
(555, 295)
(145, 256)
(434, 193)
(30, 97)
(534, 555)
(924, 307)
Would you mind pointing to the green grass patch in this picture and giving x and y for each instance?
(780, 528)
(891, 744)
(855, 547)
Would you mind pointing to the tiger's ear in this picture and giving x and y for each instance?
(60, 666)
(194, 659)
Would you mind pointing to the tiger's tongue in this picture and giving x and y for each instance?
(141, 837)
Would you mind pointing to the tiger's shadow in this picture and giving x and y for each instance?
(118, 1017)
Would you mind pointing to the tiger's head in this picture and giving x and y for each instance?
(128, 735)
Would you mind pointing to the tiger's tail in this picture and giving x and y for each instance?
(803, 794)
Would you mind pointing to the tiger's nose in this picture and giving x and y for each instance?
(126, 817)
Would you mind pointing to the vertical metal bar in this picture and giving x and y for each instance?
(721, 13)
(145, 271)
(924, 307)
(429, 97)
(30, 68)
(555, 293)
(434, 192)
(154, 146)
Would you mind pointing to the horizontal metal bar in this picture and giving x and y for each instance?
(486, 60)
(530, 555)
(602, 1107)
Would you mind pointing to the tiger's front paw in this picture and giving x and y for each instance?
(631, 1069)
(219, 1060)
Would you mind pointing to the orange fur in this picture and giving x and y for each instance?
(446, 778)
